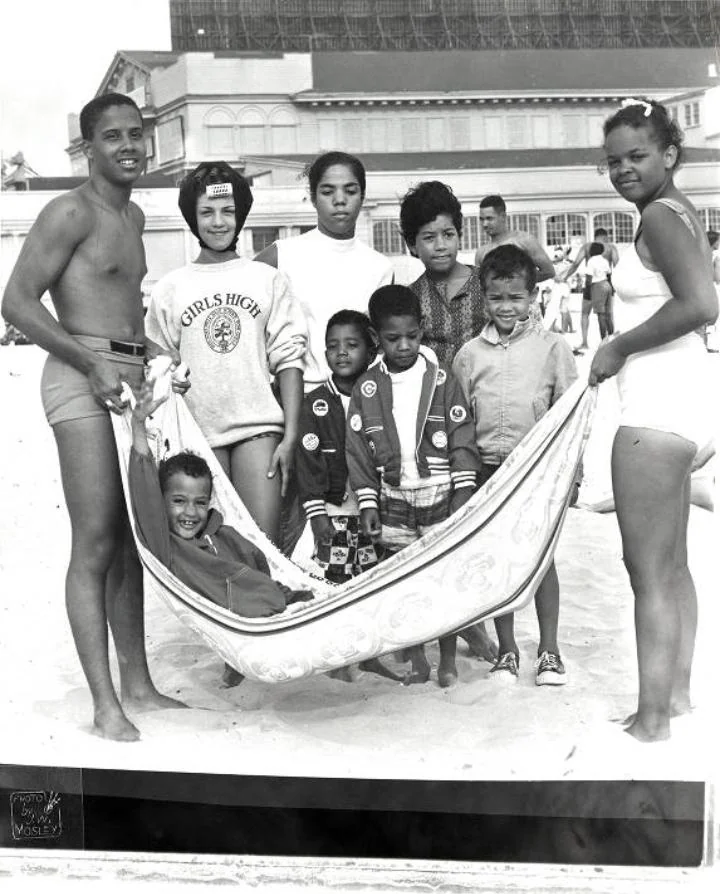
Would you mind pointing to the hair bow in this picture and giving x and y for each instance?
(626, 103)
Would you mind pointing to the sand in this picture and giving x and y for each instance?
(479, 729)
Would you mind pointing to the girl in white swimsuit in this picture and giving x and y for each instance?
(665, 293)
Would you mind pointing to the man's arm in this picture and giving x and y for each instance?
(581, 256)
(540, 257)
(48, 249)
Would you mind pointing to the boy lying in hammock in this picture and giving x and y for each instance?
(172, 511)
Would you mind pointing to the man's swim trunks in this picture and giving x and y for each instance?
(66, 393)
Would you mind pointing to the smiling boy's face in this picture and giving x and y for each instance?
(508, 301)
(347, 352)
(187, 504)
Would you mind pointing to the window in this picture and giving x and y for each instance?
(376, 135)
(387, 238)
(170, 143)
(219, 132)
(710, 218)
(411, 132)
(436, 133)
(328, 133)
(252, 132)
(595, 128)
(459, 133)
(262, 237)
(540, 131)
(493, 132)
(573, 130)
(691, 114)
(283, 127)
(471, 233)
(517, 132)
(528, 223)
(352, 135)
(561, 228)
(619, 224)
(129, 83)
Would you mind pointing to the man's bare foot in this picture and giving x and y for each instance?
(115, 725)
(342, 673)
(447, 675)
(479, 642)
(150, 700)
(375, 666)
(413, 677)
(231, 677)
(677, 709)
(656, 732)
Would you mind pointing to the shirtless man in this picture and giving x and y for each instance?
(611, 256)
(493, 219)
(86, 249)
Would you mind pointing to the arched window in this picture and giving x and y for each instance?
(387, 238)
(562, 229)
(252, 132)
(219, 136)
(619, 224)
(283, 127)
(710, 218)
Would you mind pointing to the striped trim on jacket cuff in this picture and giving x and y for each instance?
(367, 498)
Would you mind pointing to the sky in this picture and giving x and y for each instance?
(53, 56)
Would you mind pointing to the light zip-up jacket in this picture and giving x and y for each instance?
(445, 435)
(510, 385)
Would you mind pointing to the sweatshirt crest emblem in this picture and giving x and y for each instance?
(458, 413)
(311, 441)
(368, 389)
(320, 407)
(439, 440)
(355, 422)
(222, 330)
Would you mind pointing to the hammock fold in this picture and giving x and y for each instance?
(487, 559)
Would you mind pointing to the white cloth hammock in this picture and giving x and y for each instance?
(486, 560)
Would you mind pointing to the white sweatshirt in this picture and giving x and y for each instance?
(328, 275)
(234, 324)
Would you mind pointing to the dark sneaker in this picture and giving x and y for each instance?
(506, 667)
(550, 670)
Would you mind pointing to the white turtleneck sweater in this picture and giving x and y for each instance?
(327, 275)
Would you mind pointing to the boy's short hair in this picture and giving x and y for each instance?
(92, 111)
(196, 183)
(596, 248)
(507, 261)
(352, 318)
(187, 463)
(497, 203)
(393, 301)
(423, 203)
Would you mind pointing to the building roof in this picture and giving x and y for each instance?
(151, 58)
(492, 158)
(511, 71)
(155, 180)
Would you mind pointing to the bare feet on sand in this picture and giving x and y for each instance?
(150, 700)
(114, 725)
(375, 666)
(231, 677)
(479, 642)
(447, 675)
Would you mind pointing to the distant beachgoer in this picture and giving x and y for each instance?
(329, 269)
(610, 254)
(493, 219)
(597, 272)
(409, 444)
(451, 301)
(86, 249)
(665, 296)
(511, 374)
(712, 342)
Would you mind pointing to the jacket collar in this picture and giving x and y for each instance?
(426, 352)
(491, 335)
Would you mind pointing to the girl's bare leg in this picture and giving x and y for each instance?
(249, 464)
(650, 471)
(447, 670)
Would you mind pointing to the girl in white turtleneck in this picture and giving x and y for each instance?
(328, 267)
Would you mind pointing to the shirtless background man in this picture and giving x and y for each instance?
(86, 249)
(611, 256)
(493, 219)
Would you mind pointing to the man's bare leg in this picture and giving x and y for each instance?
(93, 493)
(479, 641)
(124, 604)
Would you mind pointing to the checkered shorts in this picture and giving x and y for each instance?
(406, 514)
(348, 553)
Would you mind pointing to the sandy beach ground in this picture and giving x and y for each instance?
(372, 728)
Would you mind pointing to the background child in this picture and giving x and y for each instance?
(172, 511)
(410, 444)
(511, 374)
(235, 323)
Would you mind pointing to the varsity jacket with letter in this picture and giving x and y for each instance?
(320, 457)
(445, 432)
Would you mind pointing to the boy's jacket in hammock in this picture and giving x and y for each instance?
(221, 564)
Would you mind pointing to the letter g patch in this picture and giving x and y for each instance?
(368, 389)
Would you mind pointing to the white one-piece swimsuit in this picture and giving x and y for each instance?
(666, 387)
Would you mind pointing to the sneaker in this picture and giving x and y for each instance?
(550, 670)
(506, 667)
